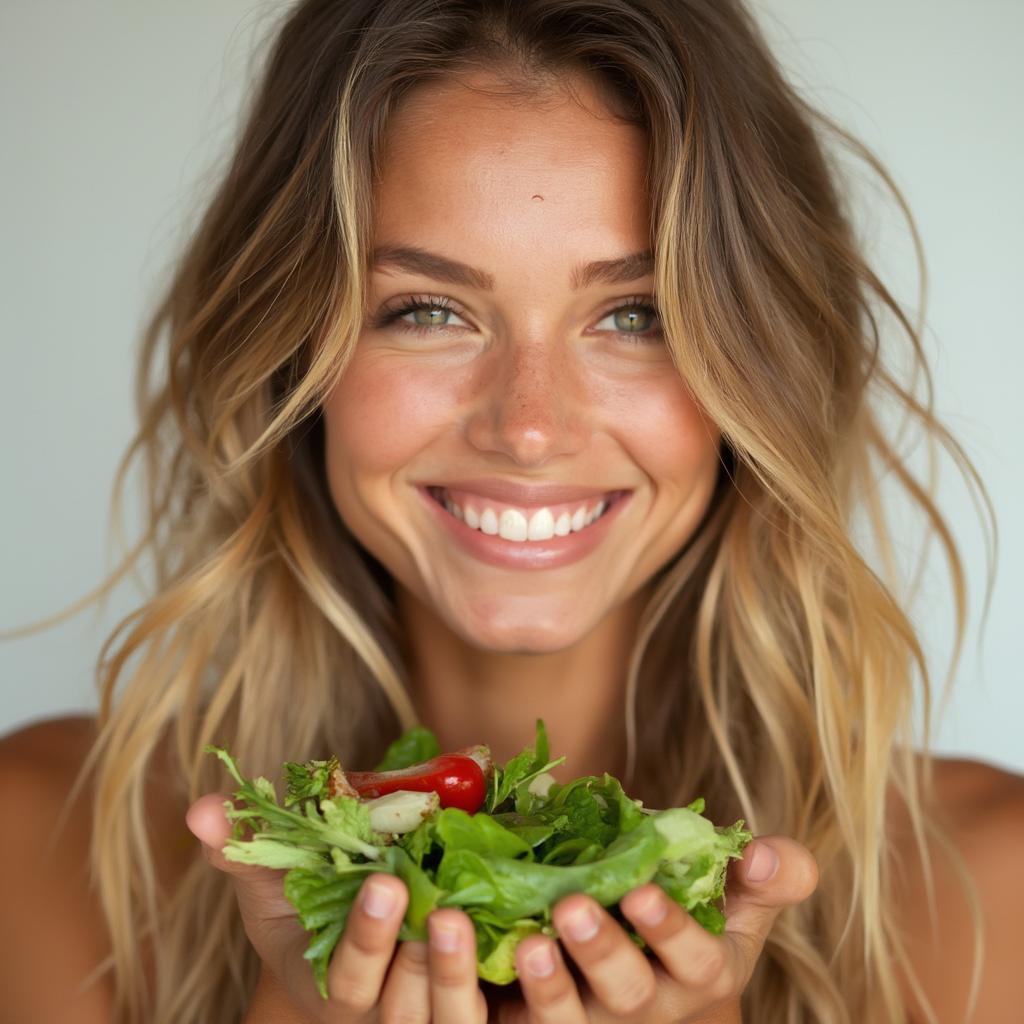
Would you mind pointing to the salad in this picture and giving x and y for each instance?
(502, 843)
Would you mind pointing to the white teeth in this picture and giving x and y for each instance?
(515, 526)
(596, 512)
(512, 525)
(489, 522)
(542, 525)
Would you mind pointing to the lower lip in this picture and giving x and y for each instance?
(531, 554)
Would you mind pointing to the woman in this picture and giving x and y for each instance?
(420, 309)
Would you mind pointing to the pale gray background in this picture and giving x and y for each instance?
(112, 113)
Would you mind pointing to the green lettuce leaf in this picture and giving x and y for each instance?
(520, 771)
(416, 745)
(458, 830)
(505, 866)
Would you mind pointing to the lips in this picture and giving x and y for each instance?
(525, 553)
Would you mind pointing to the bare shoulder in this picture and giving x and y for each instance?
(981, 808)
(51, 929)
(51, 925)
(49, 744)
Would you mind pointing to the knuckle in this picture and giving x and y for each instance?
(723, 989)
(405, 1015)
(634, 995)
(413, 958)
(726, 983)
(746, 947)
(707, 965)
(557, 990)
(352, 996)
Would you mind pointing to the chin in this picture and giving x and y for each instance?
(520, 631)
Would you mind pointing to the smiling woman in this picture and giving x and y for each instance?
(536, 370)
(524, 365)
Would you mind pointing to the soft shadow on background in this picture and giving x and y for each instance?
(112, 114)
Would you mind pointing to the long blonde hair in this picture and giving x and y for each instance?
(774, 671)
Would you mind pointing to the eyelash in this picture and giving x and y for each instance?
(411, 303)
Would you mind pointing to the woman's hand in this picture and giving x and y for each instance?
(697, 977)
(438, 983)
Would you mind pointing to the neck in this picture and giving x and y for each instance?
(468, 695)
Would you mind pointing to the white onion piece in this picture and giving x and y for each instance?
(402, 810)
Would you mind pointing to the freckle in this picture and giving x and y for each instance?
(539, 199)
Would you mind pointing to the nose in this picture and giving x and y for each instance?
(530, 403)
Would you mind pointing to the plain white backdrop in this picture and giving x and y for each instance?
(113, 113)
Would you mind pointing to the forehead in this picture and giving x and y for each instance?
(465, 156)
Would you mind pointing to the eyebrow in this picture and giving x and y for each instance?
(619, 270)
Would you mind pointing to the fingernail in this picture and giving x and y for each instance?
(763, 864)
(378, 900)
(652, 911)
(539, 961)
(581, 923)
(444, 938)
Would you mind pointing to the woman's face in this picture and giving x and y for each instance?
(520, 368)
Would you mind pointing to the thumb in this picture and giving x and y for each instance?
(260, 890)
(207, 821)
(775, 872)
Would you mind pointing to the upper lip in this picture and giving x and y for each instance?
(513, 493)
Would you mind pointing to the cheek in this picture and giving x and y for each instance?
(380, 414)
(668, 434)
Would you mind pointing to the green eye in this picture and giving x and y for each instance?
(425, 315)
(636, 321)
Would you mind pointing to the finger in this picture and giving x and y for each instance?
(775, 872)
(691, 955)
(260, 890)
(207, 821)
(455, 995)
(361, 958)
(618, 973)
(406, 995)
(549, 992)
